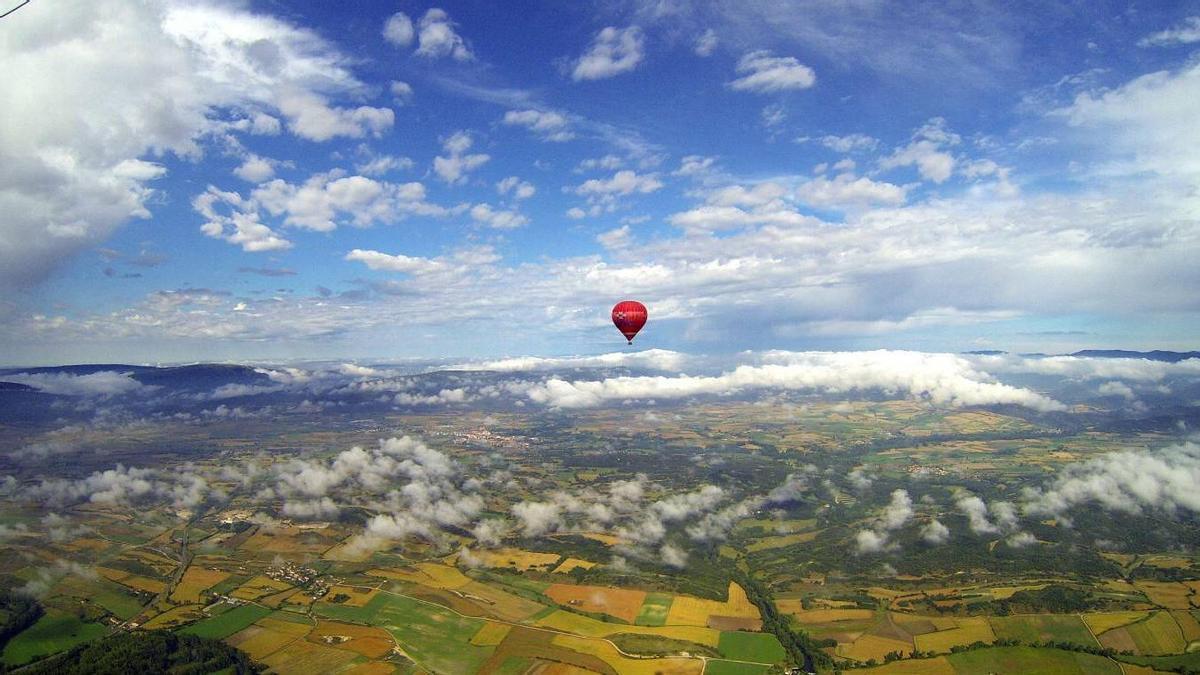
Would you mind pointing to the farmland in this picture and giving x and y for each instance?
(602, 586)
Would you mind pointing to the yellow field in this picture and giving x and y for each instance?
(283, 540)
(259, 642)
(515, 557)
(571, 563)
(1187, 624)
(1168, 594)
(587, 626)
(303, 656)
(606, 539)
(827, 615)
(1006, 592)
(782, 540)
(969, 629)
(873, 647)
(434, 575)
(688, 611)
(195, 581)
(371, 668)
(370, 641)
(111, 574)
(936, 666)
(174, 617)
(1168, 561)
(622, 603)
(491, 634)
(359, 597)
(1101, 621)
(608, 653)
(285, 627)
(258, 587)
(502, 603)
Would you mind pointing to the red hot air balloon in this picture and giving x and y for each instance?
(629, 317)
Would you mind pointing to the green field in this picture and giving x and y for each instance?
(224, 625)
(718, 667)
(437, 638)
(654, 610)
(1043, 627)
(54, 632)
(1158, 634)
(758, 647)
(1030, 661)
(1166, 663)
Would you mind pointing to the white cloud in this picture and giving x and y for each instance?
(547, 124)
(327, 199)
(925, 152)
(437, 37)
(240, 225)
(856, 142)
(612, 52)
(849, 190)
(1185, 33)
(139, 78)
(764, 73)
(870, 541)
(518, 188)
(256, 169)
(898, 512)
(935, 532)
(310, 116)
(454, 168)
(694, 165)
(624, 182)
(706, 43)
(398, 30)
(1130, 481)
(395, 263)
(102, 383)
(402, 92)
(943, 379)
(497, 219)
(537, 518)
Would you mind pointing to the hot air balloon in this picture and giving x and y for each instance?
(629, 317)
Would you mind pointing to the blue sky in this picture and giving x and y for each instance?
(252, 180)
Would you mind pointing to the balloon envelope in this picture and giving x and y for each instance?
(629, 316)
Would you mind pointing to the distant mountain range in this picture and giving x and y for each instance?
(1156, 355)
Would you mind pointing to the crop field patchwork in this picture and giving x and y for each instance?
(759, 647)
(1031, 661)
(967, 630)
(195, 581)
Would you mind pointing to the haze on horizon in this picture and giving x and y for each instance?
(234, 180)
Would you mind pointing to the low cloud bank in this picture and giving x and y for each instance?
(943, 379)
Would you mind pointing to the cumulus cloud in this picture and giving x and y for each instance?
(497, 219)
(926, 152)
(437, 37)
(763, 73)
(1129, 481)
(537, 518)
(613, 51)
(934, 532)
(943, 379)
(398, 30)
(849, 190)
(870, 541)
(102, 383)
(549, 125)
(454, 167)
(517, 188)
(142, 78)
(232, 218)
(326, 199)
